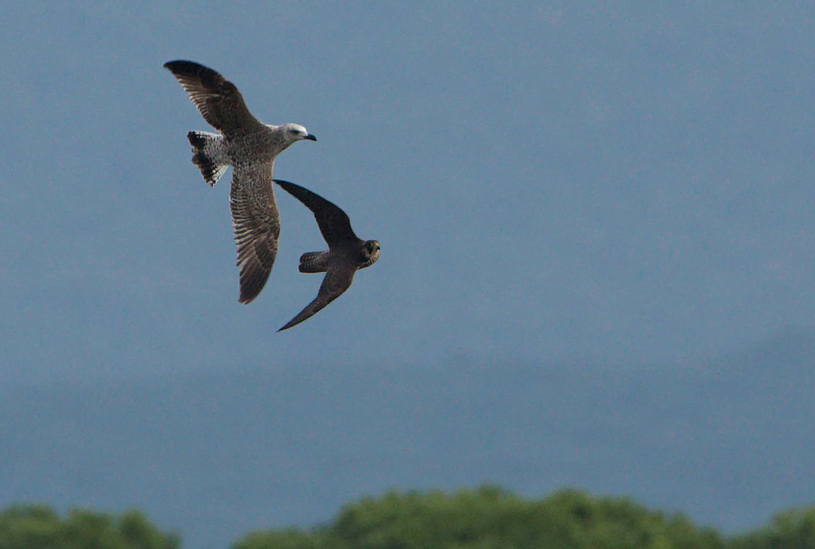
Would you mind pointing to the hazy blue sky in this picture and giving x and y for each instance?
(546, 180)
(549, 181)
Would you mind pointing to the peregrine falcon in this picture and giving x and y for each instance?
(346, 253)
(250, 147)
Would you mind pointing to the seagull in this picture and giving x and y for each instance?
(250, 147)
(345, 256)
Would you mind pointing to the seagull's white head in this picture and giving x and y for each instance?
(295, 132)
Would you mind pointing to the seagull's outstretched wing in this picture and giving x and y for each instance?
(256, 222)
(218, 100)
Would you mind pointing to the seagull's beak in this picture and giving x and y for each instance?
(310, 137)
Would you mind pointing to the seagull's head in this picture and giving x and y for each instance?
(370, 253)
(295, 132)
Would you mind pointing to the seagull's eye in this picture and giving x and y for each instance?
(294, 131)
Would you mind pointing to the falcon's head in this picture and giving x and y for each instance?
(370, 253)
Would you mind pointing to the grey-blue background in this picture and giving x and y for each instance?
(619, 189)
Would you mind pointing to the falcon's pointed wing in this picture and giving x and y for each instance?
(337, 279)
(333, 222)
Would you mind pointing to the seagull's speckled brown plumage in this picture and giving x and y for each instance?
(250, 147)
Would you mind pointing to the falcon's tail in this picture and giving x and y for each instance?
(208, 155)
(314, 262)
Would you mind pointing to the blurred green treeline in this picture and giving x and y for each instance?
(486, 518)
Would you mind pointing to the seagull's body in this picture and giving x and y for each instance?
(250, 147)
(345, 256)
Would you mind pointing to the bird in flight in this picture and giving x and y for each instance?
(345, 256)
(250, 147)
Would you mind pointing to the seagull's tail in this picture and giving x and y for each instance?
(314, 262)
(207, 155)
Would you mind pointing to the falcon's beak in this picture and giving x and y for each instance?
(310, 137)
